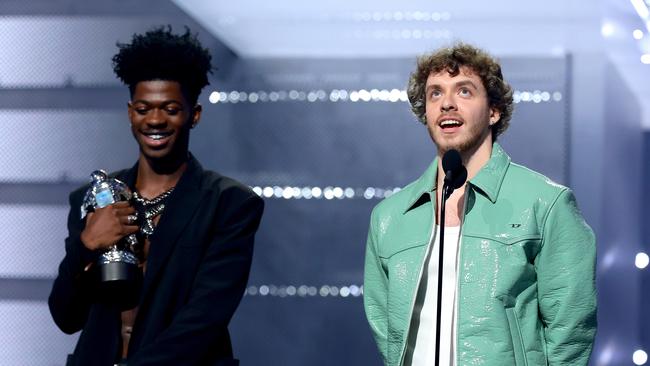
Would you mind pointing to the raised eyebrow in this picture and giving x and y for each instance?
(432, 87)
(457, 85)
(466, 83)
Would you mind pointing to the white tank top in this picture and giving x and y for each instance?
(425, 345)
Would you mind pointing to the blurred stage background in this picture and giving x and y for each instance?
(308, 107)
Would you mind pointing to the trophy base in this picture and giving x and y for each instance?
(120, 284)
(118, 271)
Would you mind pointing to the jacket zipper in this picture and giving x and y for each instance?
(432, 237)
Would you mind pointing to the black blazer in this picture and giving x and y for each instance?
(197, 269)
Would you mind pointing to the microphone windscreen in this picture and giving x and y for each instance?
(451, 161)
(455, 172)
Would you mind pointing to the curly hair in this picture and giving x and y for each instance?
(161, 55)
(499, 93)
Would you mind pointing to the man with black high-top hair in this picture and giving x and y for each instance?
(195, 263)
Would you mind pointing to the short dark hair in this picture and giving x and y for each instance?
(161, 55)
(451, 59)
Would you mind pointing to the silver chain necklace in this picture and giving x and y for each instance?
(149, 209)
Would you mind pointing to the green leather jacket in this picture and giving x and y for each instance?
(526, 281)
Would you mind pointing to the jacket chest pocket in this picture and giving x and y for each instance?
(403, 266)
(502, 263)
(403, 260)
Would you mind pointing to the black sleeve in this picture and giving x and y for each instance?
(70, 297)
(217, 290)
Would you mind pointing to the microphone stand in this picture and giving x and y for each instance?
(446, 192)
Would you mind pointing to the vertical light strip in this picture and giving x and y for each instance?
(641, 8)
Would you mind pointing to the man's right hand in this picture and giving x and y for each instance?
(107, 225)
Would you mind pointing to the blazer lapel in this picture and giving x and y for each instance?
(178, 212)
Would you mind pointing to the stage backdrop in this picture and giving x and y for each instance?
(323, 141)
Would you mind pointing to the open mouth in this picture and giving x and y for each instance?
(156, 138)
(450, 123)
(157, 135)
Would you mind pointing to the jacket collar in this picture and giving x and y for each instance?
(488, 180)
(194, 169)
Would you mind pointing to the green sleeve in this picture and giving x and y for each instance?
(566, 283)
(375, 291)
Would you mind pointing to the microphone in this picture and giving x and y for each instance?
(455, 177)
(455, 172)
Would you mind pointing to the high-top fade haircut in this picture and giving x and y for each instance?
(451, 59)
(161, 55)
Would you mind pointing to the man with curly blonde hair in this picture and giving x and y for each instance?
(518, 283)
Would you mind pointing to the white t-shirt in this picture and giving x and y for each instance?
(424, 353)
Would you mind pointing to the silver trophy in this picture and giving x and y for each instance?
(118, 265)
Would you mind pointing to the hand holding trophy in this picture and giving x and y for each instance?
(117, 266)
